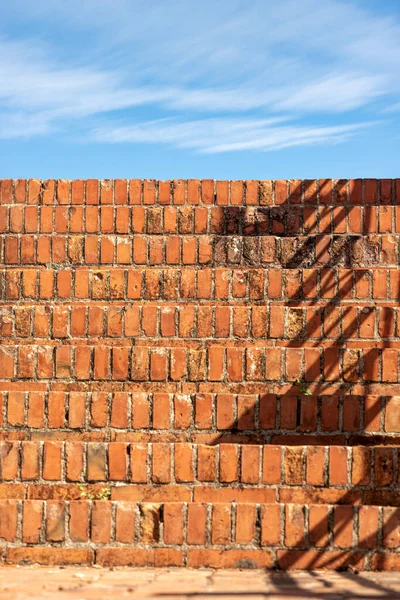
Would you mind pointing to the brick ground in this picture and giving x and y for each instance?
(20, 583)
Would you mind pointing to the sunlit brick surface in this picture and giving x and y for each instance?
(220, 355)
(181, 584)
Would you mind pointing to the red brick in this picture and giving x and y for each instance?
(101, 522)
(368, 517)
(98, 409)
(206, 461)
(8, 520)
(319, 526)
(101, 362)
(184, 462)
(343, 526)
(294, 525)
(138, 460)
(120, 363)
(196, 523)
(96, 462)
(271, 464)
(250, 464)
(32, 521)
(55, 521)
(77, 410)
(182, 410)
(225, 411)
(125, 522)
(16, 407)
(140, 411)
(315, 465)
(173, 523)
(392, 417)
(7, 361)
(229, 558)
(74, 461)
(117, 461)
(245, 523)
(314, 560)
(79, 521)
(383, 466)
(361, 466)
(122, 556)
(56, 409)
(9, 460)
(391, 529)
(221, 524)
(30, 461)
(271, 525)
(161, 463)
(228, 466)
(161, 411)
(203, 411)
(294, 465)
(150, 523)
(338, 465)
(52, 461)
(216, 361)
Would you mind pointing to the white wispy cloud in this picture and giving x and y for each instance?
(226, 135)
(23, 125)
(33, 83)
(253, 60)
(336, 92)
(392, 108)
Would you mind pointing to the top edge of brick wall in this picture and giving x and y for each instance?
(201, 192)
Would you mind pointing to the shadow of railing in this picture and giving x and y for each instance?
(284, 222)
(286, 585)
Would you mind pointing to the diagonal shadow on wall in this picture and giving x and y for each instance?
(303, 246)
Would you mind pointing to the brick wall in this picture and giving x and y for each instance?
(218, 361)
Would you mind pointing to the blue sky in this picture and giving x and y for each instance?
(181, 88)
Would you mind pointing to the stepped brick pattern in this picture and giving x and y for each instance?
(199, 373)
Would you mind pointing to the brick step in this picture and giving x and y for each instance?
(214, 362)
(189, 492)
(200, 192)
(201, 284)
(240, 249)
(200, 534)
(208, 439)
(278, 388)
(205, 418)
(209, 250)
(224, 472)
(323, 322)
(282, 220)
